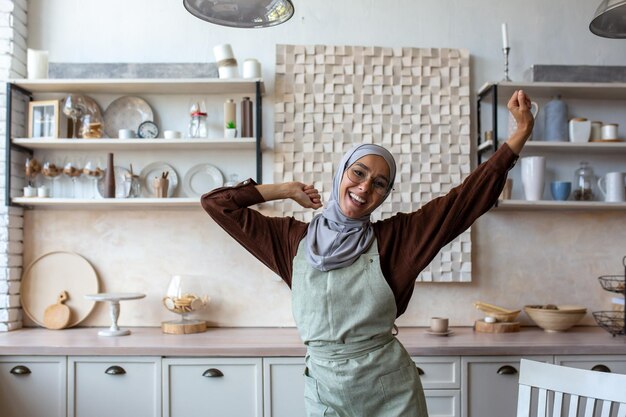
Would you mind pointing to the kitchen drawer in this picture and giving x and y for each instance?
(439, 372)
(212, 387)
(114, 386)
(33, 386)
(443, 402)
(614, 363)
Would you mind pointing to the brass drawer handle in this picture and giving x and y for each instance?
(20, 370)
(213, 373)
(420, 371)
(601, 368)
(115, 370)
(507, 370)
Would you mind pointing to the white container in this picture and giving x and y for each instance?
(30, 191)
(252, 69)
(223, 52)
(126, 133)
(612, 187)
(172, 134)
(579, 130)
(609, 131)
(37, 63)
(533, 174)
(43, 191)
(596, 130)
(228, 71)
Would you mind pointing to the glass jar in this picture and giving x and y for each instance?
(198, 125)
(584, 180)
(134, 186)
(91, 127)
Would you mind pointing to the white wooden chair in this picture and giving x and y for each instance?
(605, 393)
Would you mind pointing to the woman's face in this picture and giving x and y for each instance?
(363, 186)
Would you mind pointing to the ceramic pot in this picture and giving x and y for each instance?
(579, 130)
(533, 174)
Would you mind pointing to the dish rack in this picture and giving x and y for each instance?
(613, 322)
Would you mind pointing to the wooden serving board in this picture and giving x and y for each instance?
(188, 327)
(483, 327)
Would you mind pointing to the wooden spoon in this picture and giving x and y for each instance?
(57, 316)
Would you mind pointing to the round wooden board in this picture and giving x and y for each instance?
(483, 327)
(188, 327)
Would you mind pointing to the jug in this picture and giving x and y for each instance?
(534, 109)
(612, 187)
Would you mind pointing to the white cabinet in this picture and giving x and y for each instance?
(283, 383)
(604, 102)
(33, 386)
(441, 380)
(114, 386)
(212, 387)
(490, 384)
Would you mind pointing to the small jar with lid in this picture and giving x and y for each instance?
(584, 180)
(198, 125)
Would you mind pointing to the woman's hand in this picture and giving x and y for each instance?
(519, 106)
(305, 195)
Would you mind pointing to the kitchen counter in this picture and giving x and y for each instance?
(150, 341)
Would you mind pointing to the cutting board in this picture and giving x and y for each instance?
(500, 327)
(57, 316)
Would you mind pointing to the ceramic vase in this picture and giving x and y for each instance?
(533, 174)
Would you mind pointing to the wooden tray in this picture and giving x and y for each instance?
(50, 274)
(484, 327)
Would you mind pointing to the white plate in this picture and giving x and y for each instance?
(201, 179)
(122, 186)
(153, 170)
(126, 113)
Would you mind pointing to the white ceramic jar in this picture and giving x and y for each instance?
(579, 130)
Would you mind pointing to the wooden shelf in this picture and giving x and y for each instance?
(600, 91)
(523, 205)
(136, 144)
(142, 85)
(596, 147)
(109, 203)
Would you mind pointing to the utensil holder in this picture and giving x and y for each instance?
(160, 186)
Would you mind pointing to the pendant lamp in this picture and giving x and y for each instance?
(610, 19)
(241, 13)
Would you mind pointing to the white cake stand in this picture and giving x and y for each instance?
(114, 299)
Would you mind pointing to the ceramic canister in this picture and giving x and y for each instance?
(579, 130)
(533, 173)
(556, 126)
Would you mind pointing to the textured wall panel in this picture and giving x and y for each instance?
(413, 101)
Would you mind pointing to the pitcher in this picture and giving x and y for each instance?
(534, 109)
(612, 187)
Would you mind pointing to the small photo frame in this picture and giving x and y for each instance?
(45, 120)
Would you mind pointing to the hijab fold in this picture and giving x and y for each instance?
(335, 240)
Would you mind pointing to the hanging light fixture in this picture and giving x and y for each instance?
(241, 13)
(610, 19)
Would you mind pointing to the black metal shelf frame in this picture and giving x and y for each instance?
(492, 90)
(10, 146)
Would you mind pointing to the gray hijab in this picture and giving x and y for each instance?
(333, 239)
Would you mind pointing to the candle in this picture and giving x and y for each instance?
(505, 36)
(37, 63)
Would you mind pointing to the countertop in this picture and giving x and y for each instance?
(150, 341)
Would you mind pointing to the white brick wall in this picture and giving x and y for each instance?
(13, 34)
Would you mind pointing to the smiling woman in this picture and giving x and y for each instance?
(350, 277)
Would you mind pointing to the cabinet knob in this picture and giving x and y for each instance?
(213, 373)
(507, 370)
(420, 371)
(115, 370)
(601, 368)
(20, 370)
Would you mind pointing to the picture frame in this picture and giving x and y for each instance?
(46, 120)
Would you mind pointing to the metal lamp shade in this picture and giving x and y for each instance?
(241, 13)
(610, 19)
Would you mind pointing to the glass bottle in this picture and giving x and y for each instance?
(198, 125)
(584, 179)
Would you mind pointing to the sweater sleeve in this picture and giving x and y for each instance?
(409, 241)
(272, 240)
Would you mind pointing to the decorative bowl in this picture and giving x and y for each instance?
(555, 318)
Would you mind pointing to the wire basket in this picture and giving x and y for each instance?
(611, 321)
(613, 283)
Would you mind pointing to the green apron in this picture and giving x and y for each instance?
(355, 366)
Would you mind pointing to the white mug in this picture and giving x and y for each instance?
(534, 109)
(614, 192)
(251, 68)
(126, 133)
(533, 173)
(609, 131)
(36, 63)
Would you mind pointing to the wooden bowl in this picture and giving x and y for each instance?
(556, 320)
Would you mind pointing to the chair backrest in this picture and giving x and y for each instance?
(605, 393)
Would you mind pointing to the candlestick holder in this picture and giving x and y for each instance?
(506, 63)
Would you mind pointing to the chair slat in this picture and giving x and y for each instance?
(542, 405)
(523, 401)
(606, 409)
(557, 407)
(590, 407)
(621, 412)
(573, 405)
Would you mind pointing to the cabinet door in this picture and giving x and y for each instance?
(603, 363)
(212, 387)
(33, 386)
(283, 383)
(114, 386)
(490, 384)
